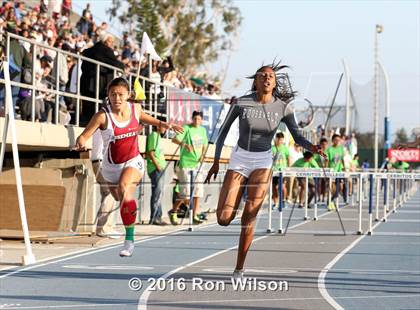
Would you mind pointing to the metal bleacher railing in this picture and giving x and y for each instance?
(152, 104)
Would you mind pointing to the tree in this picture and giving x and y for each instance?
(194, 32)
(401, 136)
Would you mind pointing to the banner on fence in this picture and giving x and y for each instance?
(182, 104)
(408, 155)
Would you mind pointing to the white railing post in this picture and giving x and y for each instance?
(306, 199)
(360, 231)
(29, 258)
(269, 230)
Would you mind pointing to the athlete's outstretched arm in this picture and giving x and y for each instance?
(150, 120)
(95, 122)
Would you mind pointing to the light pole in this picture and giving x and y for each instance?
(378, 30)
(387, 121)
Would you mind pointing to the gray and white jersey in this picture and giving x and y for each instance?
(258, 124)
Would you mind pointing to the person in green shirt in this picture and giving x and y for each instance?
(193, 142)
(307, 161)
(335, 155)
(156, 165)
(281, 160)
(401, 165)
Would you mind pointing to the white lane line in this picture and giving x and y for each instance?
(218, 301)
(251, 270)
(146, 293)
(340, 232)
(321, 278)
(108, 267)
(323, 232)
(84, 252)
(401, 233)
(402, 221)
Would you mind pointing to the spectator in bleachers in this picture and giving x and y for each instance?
(66, 7)
(102, 51)
(85, 23)
(20, 11)
(211, 92)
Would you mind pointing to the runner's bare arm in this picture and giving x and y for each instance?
(150, 120)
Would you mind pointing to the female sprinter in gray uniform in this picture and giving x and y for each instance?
(260, 114)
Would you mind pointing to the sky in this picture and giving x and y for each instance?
(313, 37)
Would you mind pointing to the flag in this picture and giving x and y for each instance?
(139, 91)
(148, 48)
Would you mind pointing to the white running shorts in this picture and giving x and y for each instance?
(112, 172)
(245, 162)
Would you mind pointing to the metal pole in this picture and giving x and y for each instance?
(337, 192)
(97, 89)
(385, 199)
(346, 190)
(306, 199)
(394, 196)
(281, 203)
(3, 143)
(191, 201)
(378, 187)
(401, 193)
(360, 231)
(269, 230)
(348, 98)
(387, 129)
(316, 199)
(378, 30)
(371, 184)
(33, 92)
(78, 93)
(358, 196)
(329, 191)
(7, 52)
(57, 88)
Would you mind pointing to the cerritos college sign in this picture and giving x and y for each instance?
(408, 155)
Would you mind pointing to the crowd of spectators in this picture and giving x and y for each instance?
(54, 24)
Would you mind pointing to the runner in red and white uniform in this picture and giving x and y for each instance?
(123, 166)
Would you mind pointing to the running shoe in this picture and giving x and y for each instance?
(238, 274)
(196, 220)
(331, 206)
(173, 217)
(128, 249)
